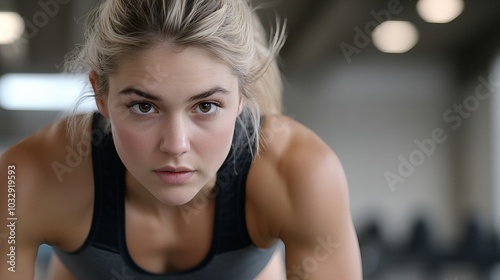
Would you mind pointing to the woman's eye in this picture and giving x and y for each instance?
(143, 108)
(206, 108)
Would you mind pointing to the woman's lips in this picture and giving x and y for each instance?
(175, 176)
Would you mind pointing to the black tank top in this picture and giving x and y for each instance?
(104, 254)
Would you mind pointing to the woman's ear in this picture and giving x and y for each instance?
(100, 99)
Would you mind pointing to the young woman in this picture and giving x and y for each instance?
(187, 170)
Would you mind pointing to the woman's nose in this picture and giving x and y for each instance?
(175, 140)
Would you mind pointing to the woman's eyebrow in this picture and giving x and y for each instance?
(131, 90)
(205, 94)
(208, 93)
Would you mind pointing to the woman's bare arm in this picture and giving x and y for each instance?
(19, 235)
(317, 228)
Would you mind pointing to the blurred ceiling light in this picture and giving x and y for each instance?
(395, 36)
(42, 92)
(439, 11)
(11, 27)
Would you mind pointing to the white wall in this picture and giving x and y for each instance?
(370, 113)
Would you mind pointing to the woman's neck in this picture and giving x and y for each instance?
(143, 200)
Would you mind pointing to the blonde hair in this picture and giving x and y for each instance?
(228, 29)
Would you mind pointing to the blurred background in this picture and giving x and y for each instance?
(404, 91)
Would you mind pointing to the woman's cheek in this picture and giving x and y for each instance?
(219, 140)
(131, 141)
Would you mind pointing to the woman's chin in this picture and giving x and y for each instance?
(177, 197)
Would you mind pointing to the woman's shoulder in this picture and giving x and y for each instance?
(49, 175)
(301, 197)
(309, 167)
(293, 174)
(47, 149)
(288, 142)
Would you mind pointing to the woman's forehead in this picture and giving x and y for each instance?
(165, 63)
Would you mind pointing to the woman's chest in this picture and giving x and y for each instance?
(172, 242)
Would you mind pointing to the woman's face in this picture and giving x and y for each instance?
(172, 112)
